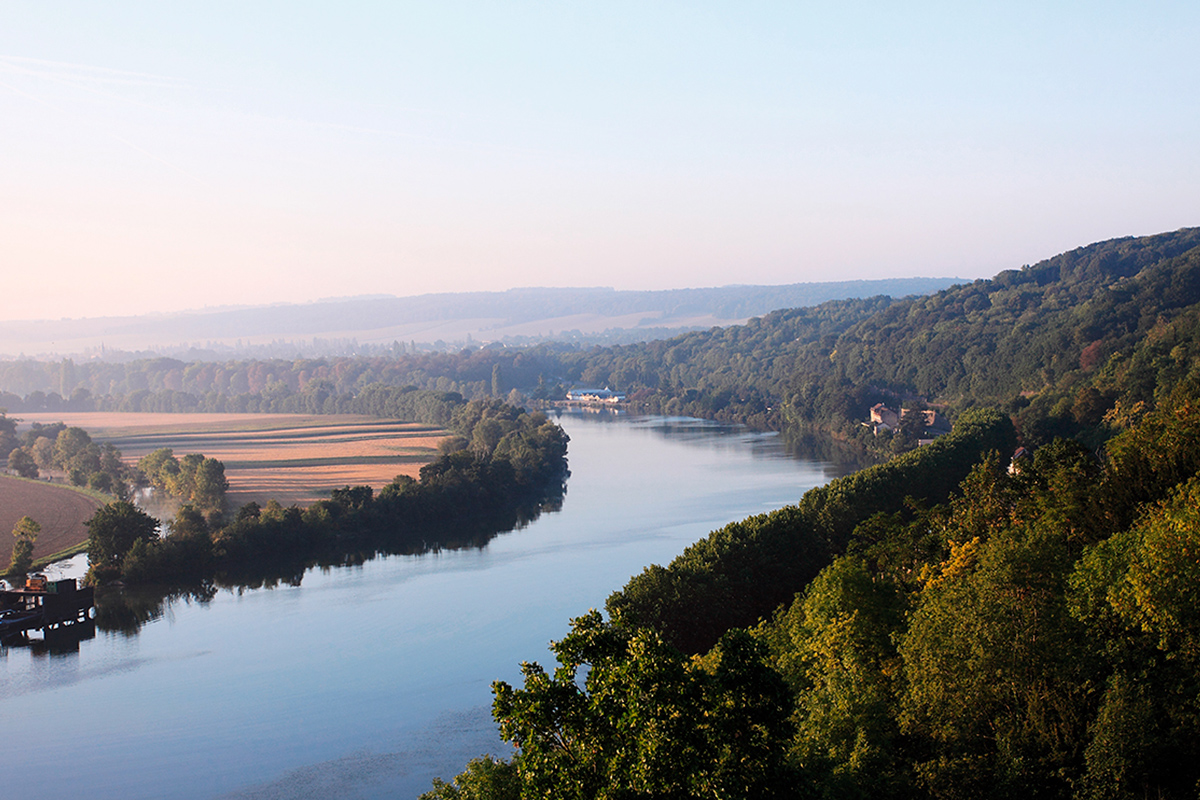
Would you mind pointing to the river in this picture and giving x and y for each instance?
(368, 681)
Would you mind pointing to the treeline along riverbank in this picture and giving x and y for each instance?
(1030, 633)
(500, 468)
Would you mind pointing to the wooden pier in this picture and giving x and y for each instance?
(49, 605)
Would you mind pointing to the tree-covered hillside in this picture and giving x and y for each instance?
(1031, 634)
(1072, 338)
(954, 623)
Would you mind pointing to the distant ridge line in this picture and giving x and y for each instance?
(455, 317)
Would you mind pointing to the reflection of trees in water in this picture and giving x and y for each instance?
(840, 458)
(120, 610)
(125, 610)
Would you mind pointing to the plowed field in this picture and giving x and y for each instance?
(60, 511)
(292, 458)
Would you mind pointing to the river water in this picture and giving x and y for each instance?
(368, 681)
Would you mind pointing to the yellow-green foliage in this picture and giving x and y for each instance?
(742, 572)
(192, 479)
(1022, 640)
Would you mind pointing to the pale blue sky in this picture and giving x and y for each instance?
(160, 156)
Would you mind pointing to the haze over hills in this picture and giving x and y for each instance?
(433, 321)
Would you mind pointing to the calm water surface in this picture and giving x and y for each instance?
(366, 682)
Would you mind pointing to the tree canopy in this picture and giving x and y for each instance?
(112, 532)
(26, 532)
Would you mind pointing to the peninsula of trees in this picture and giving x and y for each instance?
(501, 467)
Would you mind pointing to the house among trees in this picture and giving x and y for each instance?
(1021, 459)
(883, 418)
(930, 424)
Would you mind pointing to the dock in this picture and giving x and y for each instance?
(49, 605)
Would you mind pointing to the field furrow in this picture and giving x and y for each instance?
(292, 458)
(60, 511)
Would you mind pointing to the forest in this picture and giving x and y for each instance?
(1032, 634)
(964, 620)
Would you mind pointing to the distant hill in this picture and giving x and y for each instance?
(366, 324)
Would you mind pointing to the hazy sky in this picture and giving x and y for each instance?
(157, 156)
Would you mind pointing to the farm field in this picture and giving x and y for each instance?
(292, 458)
(60, 511)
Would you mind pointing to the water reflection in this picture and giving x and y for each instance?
(837, 458)
(63, 640)
(125, 611)
(366, 681)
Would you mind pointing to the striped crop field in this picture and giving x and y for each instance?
(292, 458)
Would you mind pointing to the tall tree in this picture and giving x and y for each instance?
(645, 721)
(26, 532)
(210, 485)
(20, 462)
(112, 532)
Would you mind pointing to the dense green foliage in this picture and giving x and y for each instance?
(966, 629)
(1032, 635)
(485, 778)
(115, 531)
(742, 572)
(1024, 639)
(644, 721)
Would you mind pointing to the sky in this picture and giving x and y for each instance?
(156, 157)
